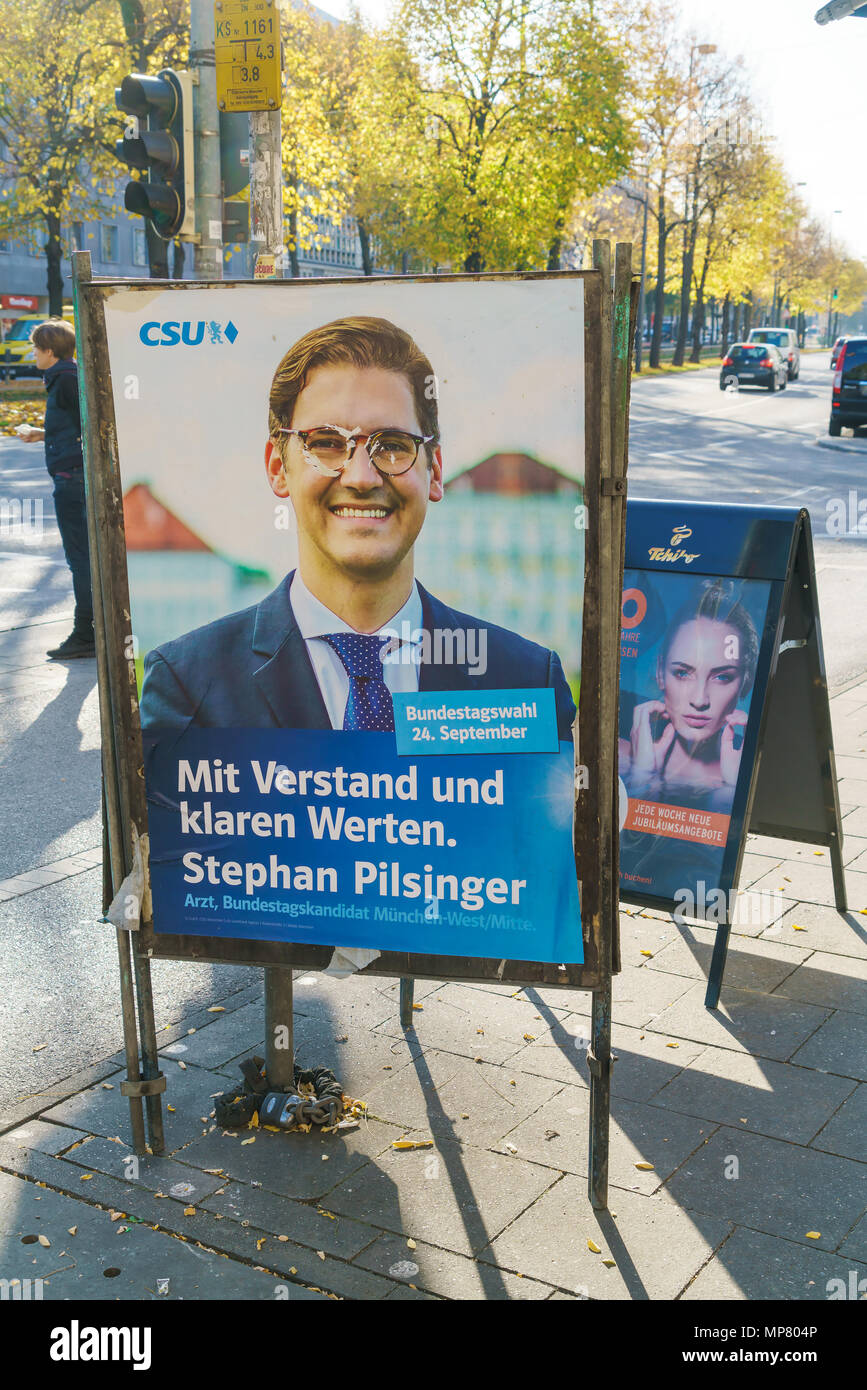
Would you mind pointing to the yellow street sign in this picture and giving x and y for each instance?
(266, 266)
(247, 53)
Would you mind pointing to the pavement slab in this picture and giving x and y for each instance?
(823, 929)
(785, 1102)
(102, 1111)
(657, 1249)
(303, 1224)
(644, 1061)
(443, 1272)
(754, 1266)
(744, 1020)
(108, 1260)
(813, 883)
(782, 1189)
(756, 965)
(846, 1131)
(448, 1196)
(295, 1165)
(832, 982)
(556, 1135)
(839, 1046)
(451, 1018)
(451, 1097)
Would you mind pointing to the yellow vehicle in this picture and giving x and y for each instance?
(16, 351)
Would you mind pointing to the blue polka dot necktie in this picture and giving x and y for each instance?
(369, 706)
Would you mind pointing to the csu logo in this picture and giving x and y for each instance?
(191, 334)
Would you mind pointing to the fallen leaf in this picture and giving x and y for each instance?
(818, 852)
(86, 1177)
(480, 1030)
(254, 1121)
(811, 1235)
(283, 1238)
(215, 1172)
(107, 1086)
(260, 1242)
(387, 1067)
(410, 1144)
(794, 928)
(189, 1211)
(325, 1157)
(609, 1264)
(645, 1167)
(117, 1215)
(251, 1140)
(593, 1247)
(513, 1083)
(321, 1254)
(410, 1244)
(529, 1037)
(292, 1269)
(646, 953)
(171, 1109)
(672, 1044)
(343, 1038)
(477, 1059)
(465, 1115)
(510, 1148)
(44, 1241)
(40, 1047)
(182, 1065)
(73, 1230)
(215, 1009)
(190, 1030)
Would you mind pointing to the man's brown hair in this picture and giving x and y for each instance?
(360, 342)
(55, 336)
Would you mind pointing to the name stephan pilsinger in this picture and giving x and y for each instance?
(386, 880)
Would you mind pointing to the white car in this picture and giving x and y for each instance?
(786, 339)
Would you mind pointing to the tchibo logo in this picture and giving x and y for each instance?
(191, 334)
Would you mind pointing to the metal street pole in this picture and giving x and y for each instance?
(208, 258)
(266, 193)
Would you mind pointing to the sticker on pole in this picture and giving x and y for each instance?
(247, 55)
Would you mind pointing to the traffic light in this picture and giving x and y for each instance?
(158, 140)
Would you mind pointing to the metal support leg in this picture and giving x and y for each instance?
(149, 1049)
(130, 1040)
(841, 902)
(717, 965)
(279, 1033)
(599, 1062)
(407, 990)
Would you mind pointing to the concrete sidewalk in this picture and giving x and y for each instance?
(753, 1118)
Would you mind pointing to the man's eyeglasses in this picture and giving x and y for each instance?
(329, 448)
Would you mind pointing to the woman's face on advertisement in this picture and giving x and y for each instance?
(702, 677)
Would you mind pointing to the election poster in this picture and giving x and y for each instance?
(690, 647)
(354, 527)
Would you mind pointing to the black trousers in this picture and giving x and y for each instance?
(69, 507)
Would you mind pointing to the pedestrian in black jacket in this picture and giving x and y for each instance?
(54, 347)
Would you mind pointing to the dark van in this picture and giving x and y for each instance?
(849, 392)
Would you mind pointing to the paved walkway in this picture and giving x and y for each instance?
(738, 1163)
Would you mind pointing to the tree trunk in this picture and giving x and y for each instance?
(726, 314)
(294, 271)
(555, 248)
(364, 241)
(659, 294)
(748, 314)
(697, 327)
(53, 254)
(685, 287)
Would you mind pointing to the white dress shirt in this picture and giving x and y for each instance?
(315, 620)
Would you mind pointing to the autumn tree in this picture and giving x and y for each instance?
(519, 106)
(55, 102)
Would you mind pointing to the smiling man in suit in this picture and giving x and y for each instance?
(354, 444)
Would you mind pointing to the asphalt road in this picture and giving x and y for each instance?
(58, 971)
(690, 440)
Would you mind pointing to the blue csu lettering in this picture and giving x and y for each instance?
(192, 334)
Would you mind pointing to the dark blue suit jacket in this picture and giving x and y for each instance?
(251, 670)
